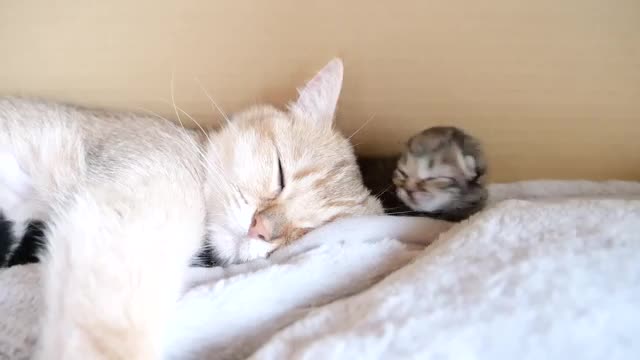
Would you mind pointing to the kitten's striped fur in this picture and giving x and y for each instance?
(443, 165)
(442, 173)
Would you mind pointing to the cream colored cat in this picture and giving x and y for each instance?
(128, 200)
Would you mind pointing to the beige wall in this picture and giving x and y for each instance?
(551, 86)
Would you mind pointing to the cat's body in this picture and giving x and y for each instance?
(129, 199)
(82, 173)
(440, 175)
(16, 249)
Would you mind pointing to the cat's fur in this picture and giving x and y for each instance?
(16, 249)
(440, 174)
(128, 200)
(20, 250)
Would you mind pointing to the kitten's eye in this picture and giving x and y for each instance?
(280, 174)
(441, 181)
(399, 177)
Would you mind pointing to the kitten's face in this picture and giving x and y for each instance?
(434, 171)
(425, 183)
(276, 175)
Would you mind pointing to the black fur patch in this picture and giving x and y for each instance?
(28, 247)
(31, 245)
(6, 239)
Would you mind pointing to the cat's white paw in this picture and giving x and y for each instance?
(256, 249)
(16, 193)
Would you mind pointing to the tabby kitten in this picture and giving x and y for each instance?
(127, 200)
(439, 175)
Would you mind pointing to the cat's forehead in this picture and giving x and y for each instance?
(255, 114)
(429, 141)
(427, 165)
(278, 126)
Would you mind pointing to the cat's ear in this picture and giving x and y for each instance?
(318, 99)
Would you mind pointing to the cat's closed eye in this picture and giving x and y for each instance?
(280, 175)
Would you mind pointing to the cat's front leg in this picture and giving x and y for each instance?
(116, 258)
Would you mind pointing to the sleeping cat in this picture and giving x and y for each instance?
(128, 199)
(439, 175)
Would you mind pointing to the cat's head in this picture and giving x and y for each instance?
(436, 167)
(274, 175)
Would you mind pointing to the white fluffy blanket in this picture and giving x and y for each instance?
(555, 276)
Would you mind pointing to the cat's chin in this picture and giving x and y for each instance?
(229, 249)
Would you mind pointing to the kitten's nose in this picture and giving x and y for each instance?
(260, 228)
(411, 186)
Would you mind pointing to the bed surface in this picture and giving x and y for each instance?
(553, 275)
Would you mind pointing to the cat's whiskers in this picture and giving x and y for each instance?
(383, 191)
(240, 193)
(232, 189)
(204, 132)
(400, 212)
(194, 149)
(173, 100)
(232, 127)
(215, 106)
(160, 117)
(175, 109)
(210, 167)
(362, 126)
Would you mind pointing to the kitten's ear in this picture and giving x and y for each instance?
(468, 166)
(318, 98)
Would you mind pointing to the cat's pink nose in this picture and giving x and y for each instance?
(260, 228)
